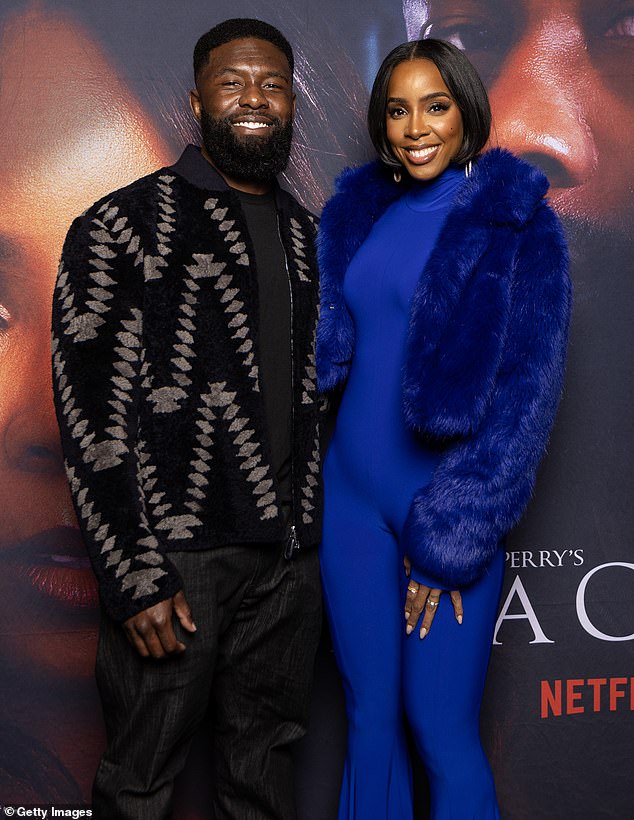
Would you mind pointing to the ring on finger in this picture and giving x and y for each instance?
(413, 590)
(431, 603)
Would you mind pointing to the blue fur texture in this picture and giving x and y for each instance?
(486, 350)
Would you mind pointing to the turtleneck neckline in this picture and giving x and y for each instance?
(437, 193)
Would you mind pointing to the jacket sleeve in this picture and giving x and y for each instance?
(484, 481)
(97, 371)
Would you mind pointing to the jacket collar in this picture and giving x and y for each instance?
(194, 168)
(502, 188)
(502, 194)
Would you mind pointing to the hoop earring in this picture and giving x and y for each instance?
(397, 175)
(467, 169)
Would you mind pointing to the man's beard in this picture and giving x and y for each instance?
(256, 159)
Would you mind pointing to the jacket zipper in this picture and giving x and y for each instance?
(292, 541)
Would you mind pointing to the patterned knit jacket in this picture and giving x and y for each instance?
(486, 350)
(156, 382)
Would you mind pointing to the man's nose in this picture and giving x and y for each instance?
(539, 100)
(253, 97)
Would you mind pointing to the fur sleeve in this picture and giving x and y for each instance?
(481, 487)
(97, 371)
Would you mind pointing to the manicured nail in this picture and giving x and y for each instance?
(408, 629)
(406, 615)
(423, 632)
(459, 618)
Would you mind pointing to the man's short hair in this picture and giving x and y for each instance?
(238, 28)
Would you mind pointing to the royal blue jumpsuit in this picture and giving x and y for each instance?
(373, 467)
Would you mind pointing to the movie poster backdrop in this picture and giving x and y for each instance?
(93, 95)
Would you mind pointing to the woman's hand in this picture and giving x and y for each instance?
(420, 597)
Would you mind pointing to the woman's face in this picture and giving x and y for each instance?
(70, 133)
(423, 122)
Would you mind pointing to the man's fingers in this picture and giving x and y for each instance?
(456, 600)
(151, 631)
(162, 632)
(136, 641)
(159, 645)
(183, 612)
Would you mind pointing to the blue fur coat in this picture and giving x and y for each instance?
(486, 350)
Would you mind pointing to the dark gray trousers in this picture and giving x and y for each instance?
(258, 617)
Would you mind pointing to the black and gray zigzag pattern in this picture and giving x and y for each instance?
(157, 384)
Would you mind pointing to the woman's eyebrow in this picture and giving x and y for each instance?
(433, 96)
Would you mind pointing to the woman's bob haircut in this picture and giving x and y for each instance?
(464, 85)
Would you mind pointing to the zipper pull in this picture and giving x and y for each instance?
(292, 543)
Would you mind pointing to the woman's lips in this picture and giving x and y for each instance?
(54, 564)
(419, 155)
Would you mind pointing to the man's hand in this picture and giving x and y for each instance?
(151, 632)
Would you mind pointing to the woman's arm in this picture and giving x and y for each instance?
(481, 488)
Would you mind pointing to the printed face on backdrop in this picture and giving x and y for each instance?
(560, 92)
(245, 104)
(70, 134)
(423, 122)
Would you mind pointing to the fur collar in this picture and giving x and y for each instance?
(460, 310)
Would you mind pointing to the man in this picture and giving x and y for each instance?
(183, 357)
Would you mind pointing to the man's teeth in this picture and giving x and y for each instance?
(252, 125)
(420, 153)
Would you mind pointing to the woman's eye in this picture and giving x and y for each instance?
(622, 27)
(485, 40)
(465, 36)
(438, 107)
(396, 112)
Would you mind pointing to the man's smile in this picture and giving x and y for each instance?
(252, 125)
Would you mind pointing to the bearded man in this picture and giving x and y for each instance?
(183, 356)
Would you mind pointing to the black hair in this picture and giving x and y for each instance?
(464, 85)
(238, 28)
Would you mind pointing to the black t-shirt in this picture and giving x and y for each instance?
(274, 331)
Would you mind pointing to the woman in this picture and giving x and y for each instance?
(445, 308)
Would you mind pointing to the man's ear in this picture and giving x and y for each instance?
(195, 104)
